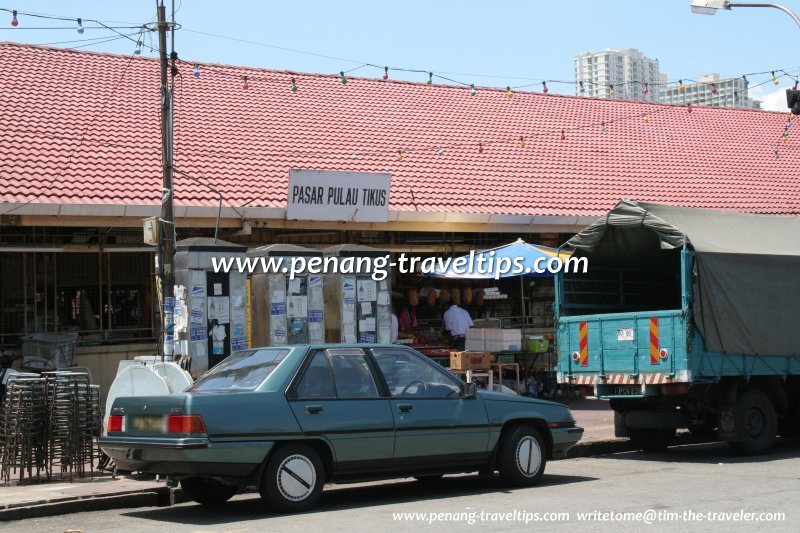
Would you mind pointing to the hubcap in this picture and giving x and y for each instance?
(296, 477)
(529, 456)
(754, 422)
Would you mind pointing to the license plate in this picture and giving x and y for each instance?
(627, 390)
(148, 424)
(625, 334)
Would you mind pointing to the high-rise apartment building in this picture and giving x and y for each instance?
(710, 90)
(620, 74)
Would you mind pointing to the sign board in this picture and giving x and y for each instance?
(338, 196)
(625, 334)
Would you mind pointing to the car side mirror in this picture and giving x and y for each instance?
(470, 390)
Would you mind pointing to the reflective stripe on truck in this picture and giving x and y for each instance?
(659, 378)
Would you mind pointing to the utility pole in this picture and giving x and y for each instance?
(167, 219)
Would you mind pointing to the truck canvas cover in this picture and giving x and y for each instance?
(746, 275)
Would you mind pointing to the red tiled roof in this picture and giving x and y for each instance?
(244, 142)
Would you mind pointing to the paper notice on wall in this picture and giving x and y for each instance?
(218, 332)
(366, 324)
(198, 291)
(383, 298)
(218, 348)
(237, 314)
(349, 332)
(316, 332)
(317, 298)
(238, 343)
(349, 304)
(297, 306)
(237, 330)
(315, 316)
(367, 290)
(294, 286)
(219, 309)
(198, 334)
(198, 312)
(277, 308)
(349, 287)
(382, 285)
(218, 289)
(180, 292)
(348, 319)
(366, 308)
(384, 335)
(315, 281)
(279, 336)
(367, 337)
(278, 296)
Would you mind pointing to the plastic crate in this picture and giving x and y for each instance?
(537, 345)
(49, 351)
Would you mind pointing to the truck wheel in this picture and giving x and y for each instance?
(651, 439)
(207, 491)
(521, 456)
(756, 423)
(293, 478)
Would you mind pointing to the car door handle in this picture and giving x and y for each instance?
(313, 409)
(404, 407)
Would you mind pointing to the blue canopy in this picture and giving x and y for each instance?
(485, 264)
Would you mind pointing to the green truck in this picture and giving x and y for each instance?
(686, 318)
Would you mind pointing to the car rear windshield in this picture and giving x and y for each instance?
(240, 371)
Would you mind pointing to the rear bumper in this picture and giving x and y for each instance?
(187, 456)
(564, 439)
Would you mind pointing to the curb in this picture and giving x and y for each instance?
(159, 497)
(621, 445)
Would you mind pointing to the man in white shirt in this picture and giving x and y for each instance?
(457, 321)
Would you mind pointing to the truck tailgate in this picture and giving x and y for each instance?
(610, 348)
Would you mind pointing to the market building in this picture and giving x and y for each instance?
(81, 169)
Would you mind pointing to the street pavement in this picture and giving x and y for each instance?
(687, 479)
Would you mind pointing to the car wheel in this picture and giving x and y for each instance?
(207, 491)
(293, 478)
(756, 423)
(521, 457)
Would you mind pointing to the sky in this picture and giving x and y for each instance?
(488, 43)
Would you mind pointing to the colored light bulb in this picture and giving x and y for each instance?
(138, 49)
(246, 84)
(509, 92)
(563, 136)
(480, 148)
(399, 155)
(14, 21)
(774, 79)
(472, 90)
(646, 89)
(612, 92)
(80, 26)
(294, 86)
(582, 88)
(713, 89)
(646, 119)
(681, 86)
(602, 127)
(522, 142)
(385, 73)
(354, 156)
(544, 87)
(430, 78)
(343, 77)
(689, 108)
(196, 72)
(440, 151)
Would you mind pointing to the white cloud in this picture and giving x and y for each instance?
(771, 100)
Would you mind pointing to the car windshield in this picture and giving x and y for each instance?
(240, 371)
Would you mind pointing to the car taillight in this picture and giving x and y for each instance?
(116, 423)
(185, 424)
